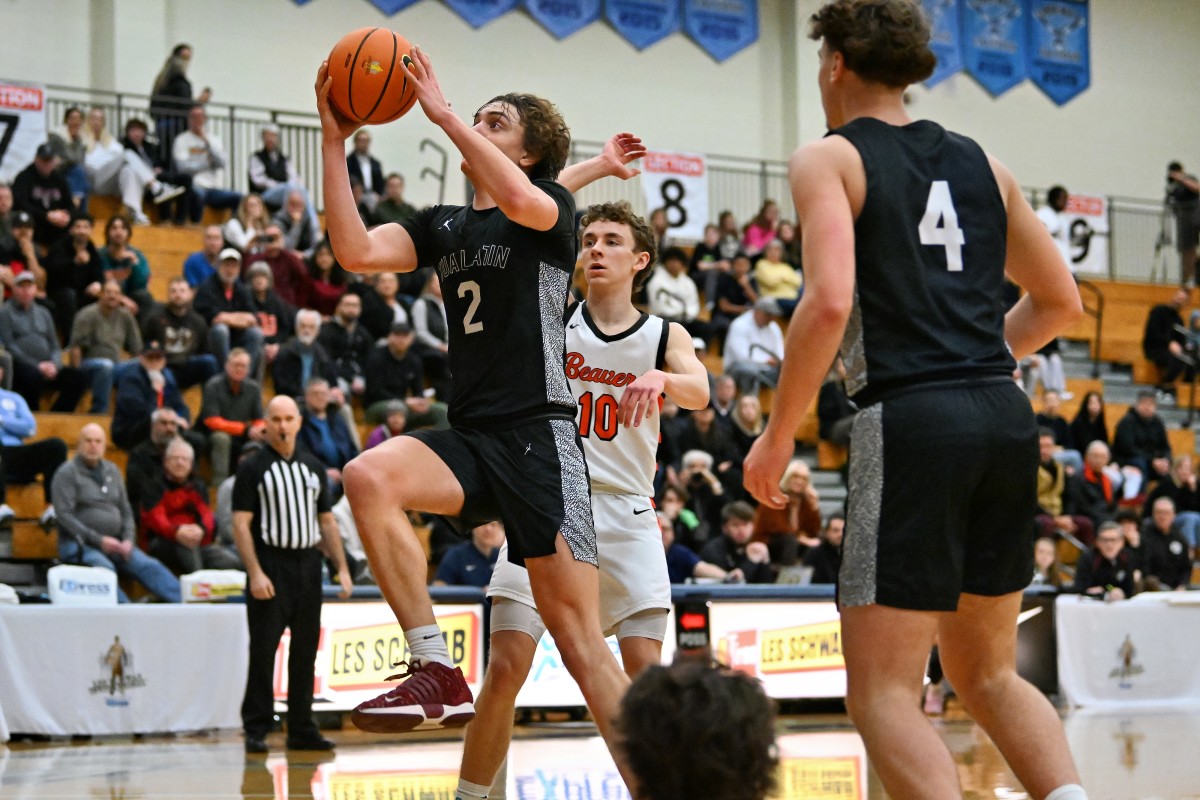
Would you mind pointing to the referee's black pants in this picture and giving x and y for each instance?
(296, 605)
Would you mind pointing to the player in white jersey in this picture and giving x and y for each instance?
(619, 362)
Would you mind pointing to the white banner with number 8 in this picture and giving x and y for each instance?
(22, 127)
(678, 184)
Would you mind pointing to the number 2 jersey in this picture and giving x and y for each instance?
(930, 248)
(599, 366)
(504, 287)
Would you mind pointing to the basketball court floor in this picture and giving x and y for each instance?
(1133, 756)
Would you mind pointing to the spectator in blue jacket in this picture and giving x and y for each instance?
(22, 462)
(202, 264)
(326, 435)
(471, 563)
(142, 388)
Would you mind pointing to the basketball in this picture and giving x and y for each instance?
(370, 80)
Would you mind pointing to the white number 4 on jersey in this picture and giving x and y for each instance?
(939, 226)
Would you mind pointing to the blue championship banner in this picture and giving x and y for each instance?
(945, 39)
(390, 7)
(643, 22)
(1059, 52)
(993, 42)
(563, 17)
(480, 12)
(721, 27)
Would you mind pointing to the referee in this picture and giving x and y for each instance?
(281, 523)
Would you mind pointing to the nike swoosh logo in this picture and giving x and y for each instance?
(573, 327)
(642, 511)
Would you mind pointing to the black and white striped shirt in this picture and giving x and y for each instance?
(285, 496)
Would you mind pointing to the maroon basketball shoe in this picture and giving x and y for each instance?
(432, 696)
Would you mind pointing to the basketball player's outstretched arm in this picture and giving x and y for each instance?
(387, 248)
(1051, 302)
(685, 381)
(492, 173)
(818, 173)
(613, 161)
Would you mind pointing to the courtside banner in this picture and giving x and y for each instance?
(993, 42)
(563, 17)
(549, 685)
(480, 12)
(22, 126)
(822, 766)
(794, 648)
(360, 643)
(721, 27)
(678, 184)
(643, 22)
(1086, 219)
(945, 40)
(1059, 52)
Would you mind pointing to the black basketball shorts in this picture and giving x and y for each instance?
(943, 489)
(531, 477)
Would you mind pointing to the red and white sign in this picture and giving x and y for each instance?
(678, 184)
(1086, 221)
(22, 126)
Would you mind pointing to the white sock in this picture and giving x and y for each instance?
(470, 791)
(500, 784)
(426, 644)
(1069, 791)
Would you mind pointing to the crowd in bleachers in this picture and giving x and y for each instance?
(262, 306)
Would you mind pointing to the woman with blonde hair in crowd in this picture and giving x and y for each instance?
(113, 170)
(748, 422)
(790, 531)
(245, 228)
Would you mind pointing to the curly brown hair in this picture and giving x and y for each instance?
(689, 730)
(547, 136)
(884, 41)
(622, 213)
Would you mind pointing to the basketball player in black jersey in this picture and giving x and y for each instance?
(513, 452)
(908, 231)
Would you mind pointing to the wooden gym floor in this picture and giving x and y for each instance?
(1121, 756)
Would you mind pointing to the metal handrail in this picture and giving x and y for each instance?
(1096, 311)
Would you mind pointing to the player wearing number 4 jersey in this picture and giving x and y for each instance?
(907, 232)
(619, 362)
(512, 452)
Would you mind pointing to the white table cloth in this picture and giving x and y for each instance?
(129, 669)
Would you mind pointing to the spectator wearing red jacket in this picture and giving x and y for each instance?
(177, 520)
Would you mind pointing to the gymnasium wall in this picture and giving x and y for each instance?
(1116, 138)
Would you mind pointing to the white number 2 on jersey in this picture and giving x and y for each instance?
(939, 226)
(470, 325)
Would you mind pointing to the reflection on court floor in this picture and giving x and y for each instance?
(1120, 756)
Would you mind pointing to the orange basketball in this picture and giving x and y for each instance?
(370, 80)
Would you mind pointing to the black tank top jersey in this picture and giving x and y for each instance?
(930, 249)
(505, 288)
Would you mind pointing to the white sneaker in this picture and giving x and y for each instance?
(138, 217)
(167, 191)
(6, 513)
(48, 518)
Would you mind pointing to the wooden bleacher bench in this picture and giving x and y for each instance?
(31, 543)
